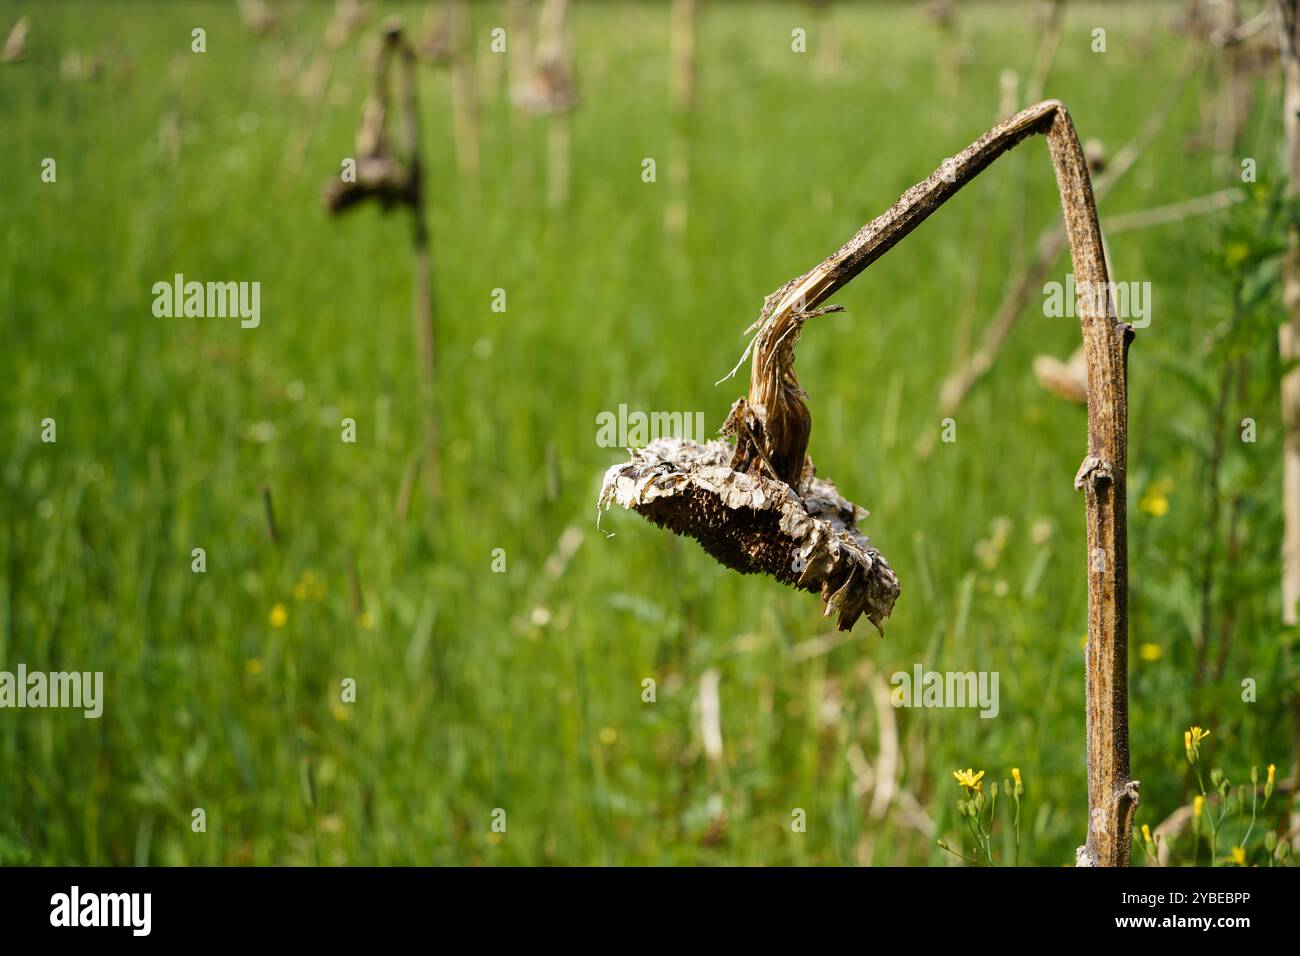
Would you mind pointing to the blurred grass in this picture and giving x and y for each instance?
(522, 690)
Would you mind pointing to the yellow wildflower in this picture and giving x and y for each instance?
(310, 587)
(341, 713)
(1239, 855)
(1192, 743)
(1015, 775)
(278, 616)
(608, 736)
(1146, 833)
(1156, 505)
(969, 779)
(1198, 806)
(1150, 652)
(1155, 501)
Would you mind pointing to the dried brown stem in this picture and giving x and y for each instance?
(1289, 334)
(681, 77)
(772, 425)
(554, 94)
(464, 92)
(519, 62)
(681, 97)
(422, 314)
(391, 176)
(548, 88)
(1289, 348)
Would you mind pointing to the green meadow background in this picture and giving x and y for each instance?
(522, 690)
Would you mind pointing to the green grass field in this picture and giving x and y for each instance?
(522, 690)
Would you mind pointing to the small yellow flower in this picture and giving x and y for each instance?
(1156, 505)
(608, 736)
(1192, 743)
(1272, 774)
(341, 713)
(1015, 775)
(969, 779)
(1146, 833)
(278, 616)
(253, 666)
(1155, 501)
(1239, 855)
(1198, 806)
(310, 587)
(1150, 652)
(1235, 253)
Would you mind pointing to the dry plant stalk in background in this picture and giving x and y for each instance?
(549, 91)
(1027, 280)
(316, 81)
(448, 42)
(1289, 350)
(731, 500)
(394, 176)
(1289, 334)
(681, 98)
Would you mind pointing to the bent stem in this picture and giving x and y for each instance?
(422, 314)
(396, 178)
(772, 426)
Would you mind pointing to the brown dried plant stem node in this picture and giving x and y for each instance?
(755, 505)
